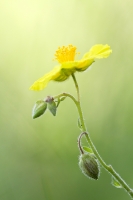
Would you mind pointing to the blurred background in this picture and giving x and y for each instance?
(39, 158)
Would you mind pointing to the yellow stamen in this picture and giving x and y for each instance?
(64, 54)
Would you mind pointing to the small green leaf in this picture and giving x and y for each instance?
(87, 149)
(62, 98)
(39, 109)
(59, 101)
(115, 183)
(52, 107)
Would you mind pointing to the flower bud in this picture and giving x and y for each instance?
(39, 109)
(89, 166)
(51, 105)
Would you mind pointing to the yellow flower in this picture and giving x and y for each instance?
(65, 56)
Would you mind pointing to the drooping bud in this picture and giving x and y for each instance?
(51, 105)
(89, 166)
(39, 109)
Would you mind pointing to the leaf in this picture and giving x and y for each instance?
(87, 149)
(115, 183)
(59, 101)
(62, 98)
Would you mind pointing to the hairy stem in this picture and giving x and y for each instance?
(108, 168)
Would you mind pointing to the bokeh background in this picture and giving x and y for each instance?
(39, 158)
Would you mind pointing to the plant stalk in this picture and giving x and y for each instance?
(108, 168)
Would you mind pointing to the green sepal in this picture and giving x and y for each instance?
(115, 183)
(87, 149)
(52, 107)
(39, 109)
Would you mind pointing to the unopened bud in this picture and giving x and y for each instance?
(39, 109)
(51, 105)
(89, 166)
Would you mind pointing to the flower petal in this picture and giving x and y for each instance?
(42, 82)
(72, 66)
(63, 71)
(69, 67)
(98, 51)
(84, 64)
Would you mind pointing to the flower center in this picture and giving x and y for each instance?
(64, 54)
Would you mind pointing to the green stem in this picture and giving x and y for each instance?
(66, 95)
(109, 168)
(79, 106)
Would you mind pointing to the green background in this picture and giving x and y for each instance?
(39, 158)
